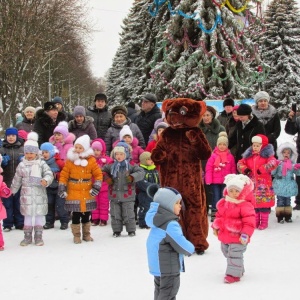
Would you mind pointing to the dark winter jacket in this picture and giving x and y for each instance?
(132, 114)
(145, 121)
(44, 125)
(293, 127)
(69, 117)
(15, 153)
(271, 121)
(241, 137)
(26, 125)
(227, 121)
(87, 127)
(102, 119)
(166, 243)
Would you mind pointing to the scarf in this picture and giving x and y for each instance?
(119, 167)
(221, 159)
(286, 165)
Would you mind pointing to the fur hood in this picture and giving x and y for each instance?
(265, 152)
(287, 145)
(79, 160)
(264, 115)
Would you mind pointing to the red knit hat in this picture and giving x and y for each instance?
(261, 139)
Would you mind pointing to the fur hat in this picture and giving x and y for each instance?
(122, 147)
(125, 131)
(223, 138)
(163, 125)
(150, 97)
(100, 96)
(228, 102)
(49, 105)
(96, 145)
(48, 147)
(11, 131)
(79, 111)
(119, 109)
(211, 110)
(57, 99)
(144, 156)
(261, 95)
(244, 110)
(29, 108)
(237, 181)
(62, 128)
(31, 145)
(23, 134)
(261, 139)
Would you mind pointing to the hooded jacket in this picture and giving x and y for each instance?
(87, 127)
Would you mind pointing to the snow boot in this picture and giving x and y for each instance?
(76, 233)
(27, 236)
(288, 214)
(231, 279)
(264, 220)
(279, 214)
(257, 219)
(86, 232)
(38, 235)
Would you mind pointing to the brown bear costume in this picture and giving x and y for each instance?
(179, 152)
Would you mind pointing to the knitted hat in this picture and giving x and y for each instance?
(125, 131)
(150, 97)
(261, 139)
(144, 156)
(84, 141)
(122, 147)
(211, 110)
(119, 109)
(167, 197)
(11, 131)
(237, 181)
(62, 128)
(131, 104)
(48, 147)
(29, 108)
(222, 138)
(23, 134)
(57, 99)
(100, 96)
(161, 125)
(228, 102)
(261, 95)
(96, 145)
(244, 110)
(79, 111)
(31, 145)
(49, 106)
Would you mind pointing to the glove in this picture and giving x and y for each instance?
(296, 167)
(247, 171)
(95, 190)
(109, 180)
(244, 239)
(5, 160)
(258, 172)
(216, 232)
(129, 179)
(62, 191)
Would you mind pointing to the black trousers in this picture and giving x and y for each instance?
(166, 287)
(85, 217)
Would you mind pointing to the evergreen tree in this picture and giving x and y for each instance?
(281, 50)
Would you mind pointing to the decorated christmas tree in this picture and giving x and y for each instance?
(280, 48)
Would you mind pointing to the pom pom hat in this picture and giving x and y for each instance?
(31, 145)
(222, 138)
(261, 139)
(62, 128)
(125, 131)
(261, 95)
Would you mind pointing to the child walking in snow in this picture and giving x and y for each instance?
(166, 244)
(100, 214)
(235, 223)
(220, 164)
(122, 176)
(258, 162)
(284, 183)
(79, 182)
(33, 175)
(4, 192)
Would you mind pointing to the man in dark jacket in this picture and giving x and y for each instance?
(225, 117)
(60, 107)
(148, 115)
(99, 112)
(132, 113)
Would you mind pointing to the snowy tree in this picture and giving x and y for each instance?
(280, 48)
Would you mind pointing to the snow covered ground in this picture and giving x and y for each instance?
(112, 269)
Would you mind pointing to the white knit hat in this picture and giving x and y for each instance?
(237, 181)
(125, 131)
(31, 145)
(222, 138)
(261, 95)
(84, 141)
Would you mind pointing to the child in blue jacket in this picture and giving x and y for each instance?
(166, 243)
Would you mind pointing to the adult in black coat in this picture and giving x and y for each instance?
(248, 127)
(132, 113)
(150, 112)
(46, 120)
(60, 107)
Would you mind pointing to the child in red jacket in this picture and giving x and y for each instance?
(235, 223)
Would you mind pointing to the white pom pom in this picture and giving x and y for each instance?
(223, 133)
(77, 162)
(84, 162)
(33, 136)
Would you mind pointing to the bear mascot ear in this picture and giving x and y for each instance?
(166, 104)
(152, 189)
(202, 105)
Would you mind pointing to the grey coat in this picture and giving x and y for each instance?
(33, 198)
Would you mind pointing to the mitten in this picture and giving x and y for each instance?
(244, 239)
(216, 232)
(62, 191)
(247, 171)
(5, 160)
(296, 166)
(95, 190)
(129, 179)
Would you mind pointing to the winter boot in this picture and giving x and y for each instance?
(288, 214)
(76, 232)
(38, 235)
(279, 214)
(27, 236)
(257, 219)
(231, 279)
(264, 220)
(86, 232)
(213, 214)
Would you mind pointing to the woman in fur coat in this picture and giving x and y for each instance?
(258, 162)
(77, 186)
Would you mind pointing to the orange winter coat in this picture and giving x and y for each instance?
(78, 180)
